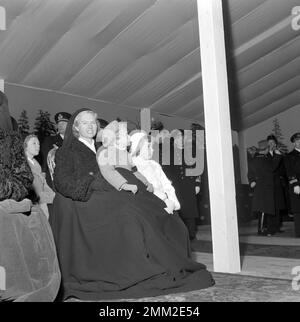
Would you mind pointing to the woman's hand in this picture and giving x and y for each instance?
(252, 184)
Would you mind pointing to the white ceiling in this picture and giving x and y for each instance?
(145, 53)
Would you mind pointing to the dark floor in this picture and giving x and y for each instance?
(231, 288)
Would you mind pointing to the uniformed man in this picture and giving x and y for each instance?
(292, 163)
(262, 173)
(54, 141)
(280, 180)
(186, 186)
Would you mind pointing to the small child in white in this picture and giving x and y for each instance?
(141, 153)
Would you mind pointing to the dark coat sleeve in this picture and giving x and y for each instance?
(15, 175)
(68, 179)
(277, 164)
(251, 171)
(291, 171)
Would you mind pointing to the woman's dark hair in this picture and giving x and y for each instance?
(5, 118)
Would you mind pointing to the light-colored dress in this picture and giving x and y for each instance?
(41, 188)
(110, 159)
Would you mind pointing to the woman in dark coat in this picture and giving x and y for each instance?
(113, 244)
(15, 174)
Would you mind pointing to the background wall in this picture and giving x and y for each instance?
(32, 99)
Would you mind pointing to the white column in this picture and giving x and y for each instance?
(145, 119)
(243, 158)
(2, 18)
(2, 279)
(2, 27)
(218, 137)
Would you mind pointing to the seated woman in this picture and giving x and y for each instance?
(113, 155)
(141, 153)
(27, 249)
(43, 191)
(114, 244)
(15, 175)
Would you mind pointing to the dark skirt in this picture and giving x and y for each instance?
(119, 245)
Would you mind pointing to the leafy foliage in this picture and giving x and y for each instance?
(43, 126)
(280, 138)
(23, 124)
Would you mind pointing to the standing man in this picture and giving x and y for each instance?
(186, 187)
(50, 142)
(261, 177)
(292, 163)
(279, 177)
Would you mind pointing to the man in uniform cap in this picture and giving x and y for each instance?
(54, 141)
(272, 143)
(292, 164)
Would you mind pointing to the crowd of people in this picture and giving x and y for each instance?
(115, 221)
(275, 180)
(120, 219)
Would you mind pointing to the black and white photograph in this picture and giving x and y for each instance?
(149, 155)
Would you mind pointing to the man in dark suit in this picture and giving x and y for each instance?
(292, 163)
(50, 142)
(268, 198)
(186, 186)
(280, 180)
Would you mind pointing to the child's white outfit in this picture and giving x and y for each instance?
(162, 186)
